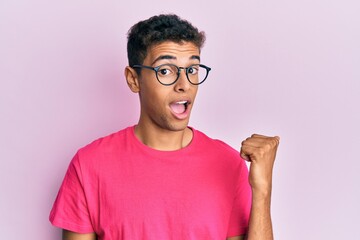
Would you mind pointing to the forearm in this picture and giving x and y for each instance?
(260, 226)
(68, 235)
(261, 152)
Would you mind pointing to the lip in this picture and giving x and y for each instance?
(184, 115)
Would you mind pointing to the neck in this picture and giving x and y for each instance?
(163, 139)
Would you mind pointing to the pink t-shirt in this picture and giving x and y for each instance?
(120, 188)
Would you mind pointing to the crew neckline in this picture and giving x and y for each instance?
(151, 150)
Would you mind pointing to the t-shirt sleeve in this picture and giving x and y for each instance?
(70, 210)
(240, 215)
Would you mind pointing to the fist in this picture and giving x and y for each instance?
(261, 152)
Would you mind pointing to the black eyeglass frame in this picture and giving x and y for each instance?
(156, 70)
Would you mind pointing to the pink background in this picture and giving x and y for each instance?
(290, 68)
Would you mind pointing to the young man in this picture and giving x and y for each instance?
(162, 179)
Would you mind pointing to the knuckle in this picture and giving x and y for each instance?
(267, 146)
(245, 141)
(275, 141)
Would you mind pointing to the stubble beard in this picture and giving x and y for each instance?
(166, 124)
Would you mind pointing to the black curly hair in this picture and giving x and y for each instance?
(158, 29)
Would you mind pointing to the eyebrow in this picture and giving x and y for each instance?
(173, 57)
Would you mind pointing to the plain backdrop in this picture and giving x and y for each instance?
(287, 68)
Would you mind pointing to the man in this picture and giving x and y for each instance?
(162, 179)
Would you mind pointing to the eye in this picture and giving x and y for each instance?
(166, 70)
(193, 70)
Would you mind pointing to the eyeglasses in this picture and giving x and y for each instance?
(168, 74)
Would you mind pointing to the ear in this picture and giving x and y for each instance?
(132, 79)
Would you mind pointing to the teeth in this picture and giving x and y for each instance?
(181, 102)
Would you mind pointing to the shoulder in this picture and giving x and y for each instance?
(101, 154)
(219, 145)
(107, 143)
(102, 149)
(216, 147)
(219, 153)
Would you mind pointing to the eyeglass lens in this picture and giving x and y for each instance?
(168, 73)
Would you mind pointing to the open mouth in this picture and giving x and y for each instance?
(179, 107)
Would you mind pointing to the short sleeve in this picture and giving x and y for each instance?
(240, 215)
(70, 210)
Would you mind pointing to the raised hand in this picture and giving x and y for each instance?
(261, 152)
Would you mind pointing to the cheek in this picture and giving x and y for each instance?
(195, 90)
(154, 97)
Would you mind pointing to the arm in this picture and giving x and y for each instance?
(261, 152)
(68, 235)
(236, 238)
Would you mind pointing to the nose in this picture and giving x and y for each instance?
(182, 84)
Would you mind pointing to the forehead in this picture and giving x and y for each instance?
(179, 51)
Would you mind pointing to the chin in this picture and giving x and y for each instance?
(175, 126)
(178, 127)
